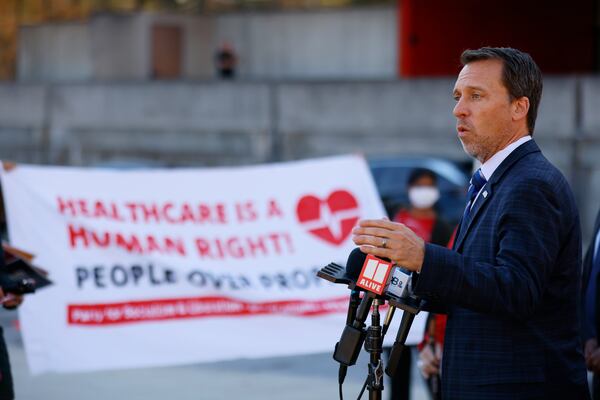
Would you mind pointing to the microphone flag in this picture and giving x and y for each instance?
(374, 274)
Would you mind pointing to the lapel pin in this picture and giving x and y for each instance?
(485, 194)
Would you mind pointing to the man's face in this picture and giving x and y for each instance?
(483, 109)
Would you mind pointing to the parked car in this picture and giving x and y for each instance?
(391, 177)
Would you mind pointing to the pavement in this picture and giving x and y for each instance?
(311, 377)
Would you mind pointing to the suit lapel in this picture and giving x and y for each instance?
(587, 261)
(483, 198)
(521, 151)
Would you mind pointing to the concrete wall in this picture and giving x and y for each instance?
(221, 123)
(23, 123)
(110, 47)
(377, 118)
(177, 124)
(122, 47)
(347, 43)
(55, 52)
(119, 48)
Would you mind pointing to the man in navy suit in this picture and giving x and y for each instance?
(511, 283)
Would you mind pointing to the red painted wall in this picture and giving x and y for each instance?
(559, 35)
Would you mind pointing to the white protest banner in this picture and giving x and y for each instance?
(166, 267)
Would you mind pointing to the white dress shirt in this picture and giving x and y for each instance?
(488, 167)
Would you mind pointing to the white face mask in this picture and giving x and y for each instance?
(423, 196)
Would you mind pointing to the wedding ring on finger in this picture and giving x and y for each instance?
(384, 243)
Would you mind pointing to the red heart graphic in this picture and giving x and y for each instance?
(332, 219)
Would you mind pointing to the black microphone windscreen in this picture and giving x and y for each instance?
(355, 262)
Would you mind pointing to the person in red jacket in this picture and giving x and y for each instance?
(422, 217)
(430, 348)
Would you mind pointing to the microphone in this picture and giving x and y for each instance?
(398, 347)
(379, 279)
(337, 274)
(396, 287)
(411, 305)
(398, 292)
(372, 275)
(348, 348)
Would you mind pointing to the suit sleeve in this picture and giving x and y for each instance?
(528, 240)
(435, 306)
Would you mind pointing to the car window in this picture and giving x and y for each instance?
(391, 181)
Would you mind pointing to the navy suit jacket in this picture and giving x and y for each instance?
(511, 286)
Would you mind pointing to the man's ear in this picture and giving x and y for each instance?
(520, 108)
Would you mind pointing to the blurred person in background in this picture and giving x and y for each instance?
(226, 61)
(421, 215)
(431, 347)
(591, 308)
(423, 219)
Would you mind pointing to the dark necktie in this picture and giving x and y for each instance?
(475, 185)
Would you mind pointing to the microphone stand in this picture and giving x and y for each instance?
(354, 335)
(373, 345)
